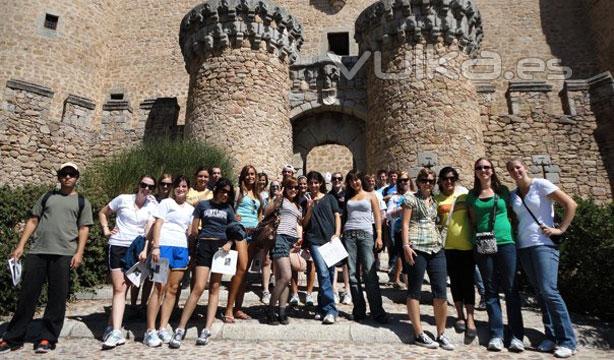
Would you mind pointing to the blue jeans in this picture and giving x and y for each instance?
(326, 296)
(477, 279)
(359, 245)
(541, 264)
(499, 272)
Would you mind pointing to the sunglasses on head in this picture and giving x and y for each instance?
(483, 167)
(426, 181)
(147, 186)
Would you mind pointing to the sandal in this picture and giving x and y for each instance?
(228, 319)
(241, 315)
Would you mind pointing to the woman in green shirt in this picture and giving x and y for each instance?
(498, 270)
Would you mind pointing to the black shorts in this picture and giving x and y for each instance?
(115, 256)
(205, 251)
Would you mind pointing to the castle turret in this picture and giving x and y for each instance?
(418, 100)
(238, 54)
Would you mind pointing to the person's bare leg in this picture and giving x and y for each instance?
(440, 307)
(413, 311)
(311, 276)
(153, 307)
(172, 286)
(266, 271)
(118, 306)
(346, 278)
(237, 280)
(294, 283)
(470, 317)
(201, 273)
(214, 299)
(460, 315)
(146, 292)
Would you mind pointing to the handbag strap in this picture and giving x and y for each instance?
(526, 207)
(491, 222)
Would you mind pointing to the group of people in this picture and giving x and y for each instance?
(444, 232)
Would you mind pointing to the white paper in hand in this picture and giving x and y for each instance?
(333, 251)
(224, 262)
(138, 273)
(15, 269)
(159, 271)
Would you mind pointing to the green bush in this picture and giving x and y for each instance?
(119, 173)
(586, 269)
(100, 182)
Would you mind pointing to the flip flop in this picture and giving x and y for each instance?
(241, 315)
(228, 319)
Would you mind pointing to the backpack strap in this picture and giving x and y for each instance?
(44, 201)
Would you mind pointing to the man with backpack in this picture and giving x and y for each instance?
(58, 228)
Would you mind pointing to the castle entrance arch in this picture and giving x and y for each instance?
(312, 130)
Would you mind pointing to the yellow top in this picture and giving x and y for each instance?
(194, 197)
(459, 230)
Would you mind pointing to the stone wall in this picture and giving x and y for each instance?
(601, 20)
(567, 149)
(329, 159)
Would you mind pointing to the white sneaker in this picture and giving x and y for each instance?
(425, 341)
(114, 339)
(151, 339)
(336, 298)
(107, 331)
(546, 346)
(516, 345)
(309, 300)
(329, 319)
(346, 298)
(294, 299)
(165, 336)
(266, 297)
(175, 342)
(495, 344)
(564, 352)
(203, 339)
(444, 342)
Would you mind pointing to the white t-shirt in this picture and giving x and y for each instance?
(131, 220)
(529, 233)
(177, 218)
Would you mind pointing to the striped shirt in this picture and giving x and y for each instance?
(423, 233)
(290, 215)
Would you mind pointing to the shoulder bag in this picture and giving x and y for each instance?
(264, 234)
(485, 242)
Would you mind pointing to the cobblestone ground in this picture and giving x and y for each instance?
(304, 338)
(224, 349)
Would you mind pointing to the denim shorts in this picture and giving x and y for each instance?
(178, 257)
(283, 245)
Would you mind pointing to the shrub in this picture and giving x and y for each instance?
(586, 269)
(100, 182)
(119, 173)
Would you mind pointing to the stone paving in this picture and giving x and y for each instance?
(304, 337)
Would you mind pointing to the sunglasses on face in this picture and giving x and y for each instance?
(165, 184)
(71, 174)
(147, 186)
(427, 181)
(449, 178)
(224, 191)
(404, 180)
(337, 178)
(292, 187)
(483, 167)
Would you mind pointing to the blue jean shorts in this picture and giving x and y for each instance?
(178, 257)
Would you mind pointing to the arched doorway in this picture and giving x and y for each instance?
(332, 130)
(330, 158)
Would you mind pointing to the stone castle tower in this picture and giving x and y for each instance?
(398, 83)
